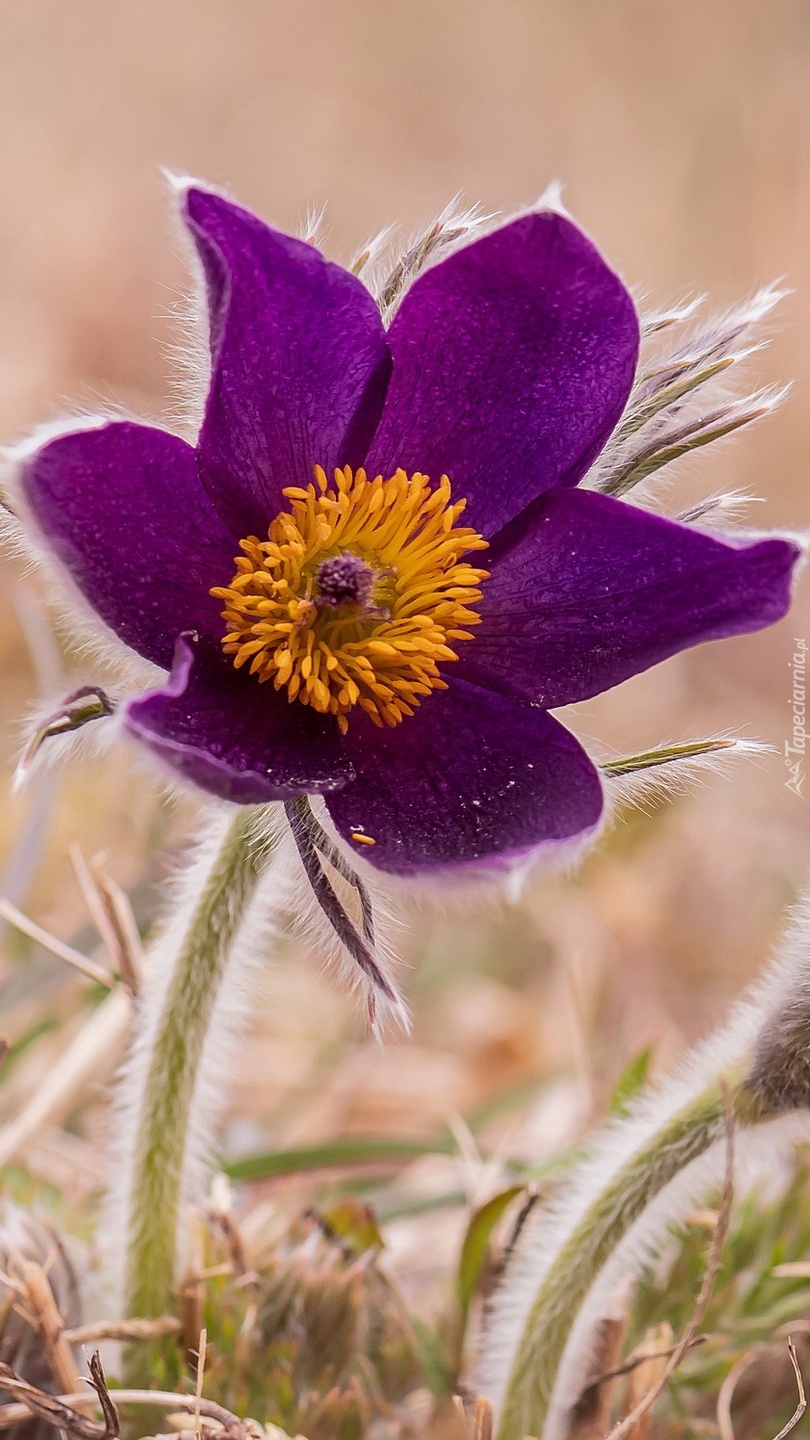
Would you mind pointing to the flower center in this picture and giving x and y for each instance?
(356, 595)
(344, 580)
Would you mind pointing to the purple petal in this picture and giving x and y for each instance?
(586, 591)
(237, 739)
(471, 777)
(122, 507)
(513, 360)
(299, 362)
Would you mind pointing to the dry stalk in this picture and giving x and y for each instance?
(735, 1374)
(121, 1330)
(802, 1401)
(58, 1411)
(728, 1388)
(477, 1424)
(482, 1419)
(653, 1358)
(26, 926)
(112, 916)
(61, 1412)
(590, 1418)
(202, 1351)
(219, 1214)
(191, 1291)
(44, 1316)
(76, 1067)
(112, 1426)
(640, 1358)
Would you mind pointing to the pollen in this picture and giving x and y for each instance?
(358, 596)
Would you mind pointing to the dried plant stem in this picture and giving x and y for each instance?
(83, 1060)
(687, 1134)
(121, 1330)
(42, 1311)
(724, 1423)
(88, 968)
(801, 1404)
(53, 1407)
(163, 1107)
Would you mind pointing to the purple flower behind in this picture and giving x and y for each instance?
(417, 627)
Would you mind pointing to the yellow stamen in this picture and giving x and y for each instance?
(360, 839)
(381, 653)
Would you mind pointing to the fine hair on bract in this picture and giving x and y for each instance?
(764, 1047)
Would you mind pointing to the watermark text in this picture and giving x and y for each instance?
(796, 746)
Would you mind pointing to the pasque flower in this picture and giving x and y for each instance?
(374, 575)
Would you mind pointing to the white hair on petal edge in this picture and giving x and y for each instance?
(75, 619)
(447, 888)
(189, 353)
(552, 199)
(775, 1006)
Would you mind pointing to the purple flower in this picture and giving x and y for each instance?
(374, 576)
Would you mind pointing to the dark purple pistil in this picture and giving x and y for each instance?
(344, 580)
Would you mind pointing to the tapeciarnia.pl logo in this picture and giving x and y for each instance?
(796, 746)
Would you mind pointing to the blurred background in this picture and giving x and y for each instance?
(681, 134)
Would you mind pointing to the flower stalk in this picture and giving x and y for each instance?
(642, 1176)
(167, 1077)
(686, 1136)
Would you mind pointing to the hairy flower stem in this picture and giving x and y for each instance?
(687, 1134)
(164, 1104)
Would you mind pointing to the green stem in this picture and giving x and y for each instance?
(559, 1299)
(173, 1066)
